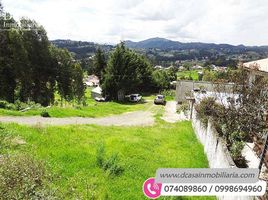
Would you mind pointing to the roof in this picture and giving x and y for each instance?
(97, 90)
(261, 65)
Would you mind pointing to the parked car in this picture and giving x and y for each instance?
(160, 99)
(100, 99)
(135, 97)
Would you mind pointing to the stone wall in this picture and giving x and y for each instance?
(216, 151)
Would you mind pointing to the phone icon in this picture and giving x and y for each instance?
(151, 189)
(149, 186)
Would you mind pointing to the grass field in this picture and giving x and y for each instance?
(187, 74)
(70, 151)
(92, 109)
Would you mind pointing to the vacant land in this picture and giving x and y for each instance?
(91, 109)
(70, 153)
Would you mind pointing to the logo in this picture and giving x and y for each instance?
(151, 189)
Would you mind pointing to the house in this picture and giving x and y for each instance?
(257, 68)
(96, 92)
(92, 81)
(198, 67)
(158, 67)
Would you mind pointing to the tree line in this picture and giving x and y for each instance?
(31, 69)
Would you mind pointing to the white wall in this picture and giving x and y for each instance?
(216, 150)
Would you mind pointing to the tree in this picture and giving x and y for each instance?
(99, 63)
(126, 72)
(78, 85)
(69, 75)
(161, 79)
(1, 8)
(30, 67)
(10, 57)
(41, 71)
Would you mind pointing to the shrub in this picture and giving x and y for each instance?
(6, 105)
(3, 104)
(183, 108)
(111, 164)
(100, 154)
(209, 108)
(45, 114)
(236, 149)
(22, 177)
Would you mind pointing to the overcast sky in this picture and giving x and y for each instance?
(218, 21)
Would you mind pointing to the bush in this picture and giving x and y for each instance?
(236, 149)
(209, 108)
(18, 105)
(100, 154)
(111, 165)
(183, 108)
(3, 104)
(45, 114)
(6, 105)
(22, 177)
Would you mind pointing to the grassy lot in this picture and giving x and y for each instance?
(92, 109)
(190, 73)
(70, 151)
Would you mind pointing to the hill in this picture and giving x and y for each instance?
(163, 50)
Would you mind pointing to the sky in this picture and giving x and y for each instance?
(110, 21)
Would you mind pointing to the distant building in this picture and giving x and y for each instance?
(181, 68)
(198, 67)
(96, 92)
(158, 67)
(257, 68)
(92, 81)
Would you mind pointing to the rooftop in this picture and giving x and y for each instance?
(261, 65)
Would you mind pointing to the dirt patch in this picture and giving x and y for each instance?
(171, 114)
(138, 118)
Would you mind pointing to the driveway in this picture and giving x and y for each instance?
(138, 118)
(171, 114)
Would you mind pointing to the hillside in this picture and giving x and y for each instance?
(164, 50)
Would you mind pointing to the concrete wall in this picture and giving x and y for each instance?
(183, 87)
(216, 151)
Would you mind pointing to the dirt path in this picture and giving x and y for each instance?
(138, 118)
(171, 114)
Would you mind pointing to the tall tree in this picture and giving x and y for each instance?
(10, 58)
(1, 8)
(69, 75)
(99, 63)
(126, 72)
(41, 70)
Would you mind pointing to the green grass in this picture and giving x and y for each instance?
(70, 151)
(190, 73)
(93, 109)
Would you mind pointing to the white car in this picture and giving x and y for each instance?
(135, 97)
(160, 99)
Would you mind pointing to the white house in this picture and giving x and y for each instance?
(92, 80)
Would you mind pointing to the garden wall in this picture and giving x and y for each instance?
(216, 150)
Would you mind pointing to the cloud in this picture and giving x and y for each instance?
(229, 21)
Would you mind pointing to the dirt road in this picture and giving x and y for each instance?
(171, 114)
(138, 118)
